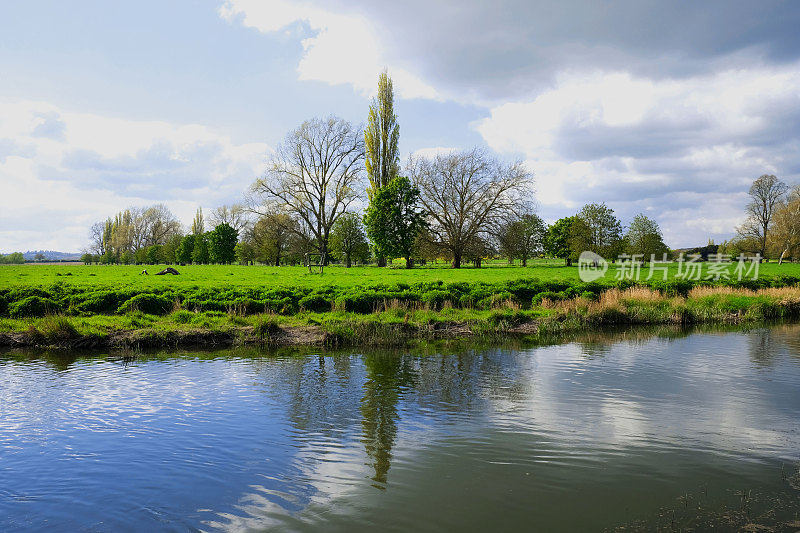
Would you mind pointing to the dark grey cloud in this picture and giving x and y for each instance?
(508, 49)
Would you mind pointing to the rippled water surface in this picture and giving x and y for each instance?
(595, 434)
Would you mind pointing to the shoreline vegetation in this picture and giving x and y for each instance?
(74, 315)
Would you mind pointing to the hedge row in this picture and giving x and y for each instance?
(62, 298)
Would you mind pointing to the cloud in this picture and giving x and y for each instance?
(61, 171)
(681, 150)
(341, 48)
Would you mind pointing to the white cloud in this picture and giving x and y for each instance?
(678, 149)
(86, 167)
(344, 48)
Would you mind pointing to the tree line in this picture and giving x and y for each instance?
(15, 258)
(153, 235)
(462, 206)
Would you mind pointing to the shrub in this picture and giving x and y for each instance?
(57, 329)
(589, 295)
(549, 295)
(33, 306)
(315, 302)
(99, 302)
(182, 317)
(266, 327)
(152, 304)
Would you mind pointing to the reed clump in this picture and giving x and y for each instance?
(643, 305)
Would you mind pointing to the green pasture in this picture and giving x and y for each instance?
(260, 276)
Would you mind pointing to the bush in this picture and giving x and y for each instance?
(57, 329)
(99, 302)
(182, 317)
(151, 304)
(549, 295)
(266, 327)
(315, 302)
(33, 306)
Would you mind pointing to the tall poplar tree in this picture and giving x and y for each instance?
(380, 139)
(198, 224)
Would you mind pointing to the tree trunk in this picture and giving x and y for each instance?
(477, 262)
(277, 260)
(381, 261)
(347, 262)
(525, 261)
(783, 253)
(409, 262)
(456, 260)
(323, 249)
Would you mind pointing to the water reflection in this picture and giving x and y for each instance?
(293, 440)
(387, 376)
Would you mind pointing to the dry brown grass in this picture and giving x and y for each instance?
(620, 300)
(787, 293)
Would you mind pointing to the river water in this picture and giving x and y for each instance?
(634, 430)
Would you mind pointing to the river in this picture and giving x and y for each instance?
(636, 429)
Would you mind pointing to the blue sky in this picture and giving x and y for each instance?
(671, 110)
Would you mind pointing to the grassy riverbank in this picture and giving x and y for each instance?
(397, 322)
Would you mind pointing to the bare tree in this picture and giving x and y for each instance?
(158, 225)
(784, 236)
(466, 195)
(314, 175)
(234, 215)
(766, 194)
(97, 238)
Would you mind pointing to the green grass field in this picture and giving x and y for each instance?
(128, 277)
(53, 302)
(270, 276)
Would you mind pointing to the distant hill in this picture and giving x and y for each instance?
(51, 255)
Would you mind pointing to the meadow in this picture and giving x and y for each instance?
(367, 303)
(129, 276)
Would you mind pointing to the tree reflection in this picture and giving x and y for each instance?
(387, 376)
(762, 347)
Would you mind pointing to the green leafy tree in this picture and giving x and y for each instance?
(599, 231)
(222, 244)
(154, 254)
(169, 252)
(200, 250)
(394, 219)
(275, 237)
(348, 241)
(381, 138)
(185, 250)
(525, 237)
(556, 240)
(139, 256)
(644, 238)
(87, 258)
(245, 253)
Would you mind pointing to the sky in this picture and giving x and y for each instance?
(670, 109)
